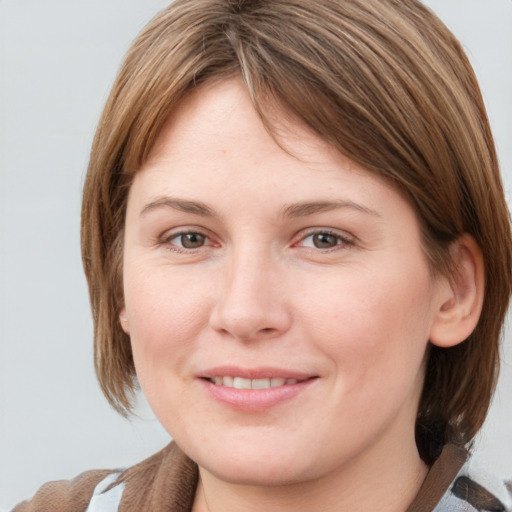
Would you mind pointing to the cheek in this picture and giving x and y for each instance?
(372, 325)
(166, 313)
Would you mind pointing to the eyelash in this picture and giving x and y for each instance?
(167, 239)
(341, 240)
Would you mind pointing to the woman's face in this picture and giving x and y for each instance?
(294, 273)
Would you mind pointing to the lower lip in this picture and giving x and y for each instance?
(255, 400)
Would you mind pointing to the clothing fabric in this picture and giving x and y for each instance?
(166, 482)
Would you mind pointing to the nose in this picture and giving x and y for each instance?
(252, 302)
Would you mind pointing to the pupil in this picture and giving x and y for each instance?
(192, 240)
(324, 240)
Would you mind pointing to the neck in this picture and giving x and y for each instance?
(385, 480)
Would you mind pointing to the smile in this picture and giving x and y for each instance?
(242, 383)
(254, 393)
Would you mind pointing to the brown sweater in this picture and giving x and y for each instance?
(166, 482)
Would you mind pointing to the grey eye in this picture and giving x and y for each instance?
(192, 240)
(325, 240)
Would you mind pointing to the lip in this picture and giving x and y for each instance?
(254, 373)
(254, 400)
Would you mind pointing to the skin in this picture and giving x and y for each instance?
(341, 293)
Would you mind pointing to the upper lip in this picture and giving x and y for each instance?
(254, 373)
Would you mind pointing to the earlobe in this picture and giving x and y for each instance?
(123, 320)
(461, 295)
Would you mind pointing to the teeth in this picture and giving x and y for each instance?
(260, 383)
(275, 382)
(241, 383)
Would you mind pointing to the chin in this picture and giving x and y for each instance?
(265, 464)
(245, 473)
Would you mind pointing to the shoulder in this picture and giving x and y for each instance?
(476, 490)
(456, 484)
(164, 481)
(65, 495)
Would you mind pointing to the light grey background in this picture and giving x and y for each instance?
(57, 61)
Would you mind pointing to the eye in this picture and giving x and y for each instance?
(324, 240)
(188, 240)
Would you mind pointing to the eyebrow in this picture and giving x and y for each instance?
(302, 209)
(194, 207)
(310, 208)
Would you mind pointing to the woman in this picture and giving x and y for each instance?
(296, 242)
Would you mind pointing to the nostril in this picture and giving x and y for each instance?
(266, 332)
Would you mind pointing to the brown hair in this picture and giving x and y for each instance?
(383, 81)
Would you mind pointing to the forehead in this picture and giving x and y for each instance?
(218, 120)
(214, 150)
(217, 113)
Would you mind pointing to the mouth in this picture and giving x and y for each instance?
(254, 391)
(229, 381)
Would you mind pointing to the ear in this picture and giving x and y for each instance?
(461, 295)
(123, 320)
